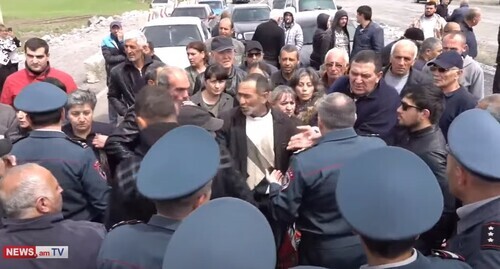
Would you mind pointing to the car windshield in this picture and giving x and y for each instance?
(305, 5)
(172, 35)
(213, 4)
(160, 1)
(308, 29)
(190, 12)
(279, 4)
(250, 14)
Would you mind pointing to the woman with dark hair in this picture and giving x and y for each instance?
(212, 97)
(308, 87)
(198, 59)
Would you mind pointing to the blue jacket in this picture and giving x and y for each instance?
(376, 112)
(369, 38)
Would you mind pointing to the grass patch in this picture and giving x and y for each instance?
(29, 17)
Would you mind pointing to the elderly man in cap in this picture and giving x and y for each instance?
(392, 208)
(31, 198)
(223, 52)
(446, 70)
(113, 52)
(166, 176)
(254, 53)
(226, 29)
(72, 163)
(414, 34)
(474, 178)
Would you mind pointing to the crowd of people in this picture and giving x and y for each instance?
(374, 156)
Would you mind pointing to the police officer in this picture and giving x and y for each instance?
(224, 233)
(168, 178)
(308, 196)
(474, 178)
(74, 165)
(31, 198)
(389, 196)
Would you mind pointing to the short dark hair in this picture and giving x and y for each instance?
(56, 82)
(427, 96)
(154, 104)
(290, 48)
(369, 56)
(431, 3)
(39, 120)
(217, 71)
(389, 249)
(365, 11)
(260, 65)
(312, 74)
(36, 43)
(261, 83)
(151, 45)
(151, 74)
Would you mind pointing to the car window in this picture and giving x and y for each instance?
(248, 15)
(213, 4)
(279, 4)
(172, 35)
(199, 12)
(305, 5)
(160, 1)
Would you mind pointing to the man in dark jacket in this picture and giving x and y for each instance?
(272, 37)
(376, 102)
(458, 14)
(336, 34)
(471, 19)
(442, 9)
(114, 54)
(321, 26)
(496, 81)
(419, 114)
(400, 74)
(127, 78)
(369, 35)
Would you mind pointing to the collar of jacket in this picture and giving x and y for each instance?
(41, 75)
(372, 95)
(164, 222)
(147, 61)
(149, 135)
(38, 223)
(484, 213)
(47, 134)
(425, 131)
(339, 134)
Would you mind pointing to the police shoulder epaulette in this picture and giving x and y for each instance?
(446, 255)
(490, 236)
(126, 222)
(79, 143)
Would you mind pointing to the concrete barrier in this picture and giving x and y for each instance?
(95, 69)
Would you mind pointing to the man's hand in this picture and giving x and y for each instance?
(275, 177)
(119, 35)
(99, 141)
(305, 138)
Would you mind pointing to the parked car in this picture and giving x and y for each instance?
(308, 6)
(247, 17)
(202, 11)
(216, 5)
(171, 35)
(308, 24)
(162, 3)
(241, 1)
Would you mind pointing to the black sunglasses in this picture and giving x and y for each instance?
(439, 69)
(405, 106)
(256, 54)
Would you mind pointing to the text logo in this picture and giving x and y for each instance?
(35, 252)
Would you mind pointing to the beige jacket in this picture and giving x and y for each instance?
(438, 26)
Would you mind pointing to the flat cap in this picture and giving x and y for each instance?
(389, 194)
(253, 45)
(473, 141)
(5, 146)
(222, 43)
(224, 233)
(167, 171)
(40, 97)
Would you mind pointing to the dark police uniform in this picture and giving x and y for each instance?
(473, 142)
(225, 233)
(73, 164)
(309, 200)
(83, 239)
(388, 195)
(166, 173)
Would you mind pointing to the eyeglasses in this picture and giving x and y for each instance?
(405, 106)
(439, 69)
(254, 54)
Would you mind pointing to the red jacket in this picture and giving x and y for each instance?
(20, 79)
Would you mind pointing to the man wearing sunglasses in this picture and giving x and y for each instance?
(254, 53)
(446, 70)
(418, 116)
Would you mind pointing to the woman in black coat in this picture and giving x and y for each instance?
(322, 25)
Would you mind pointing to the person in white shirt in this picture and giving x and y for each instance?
(430, 23)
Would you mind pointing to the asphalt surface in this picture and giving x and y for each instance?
(395, 16)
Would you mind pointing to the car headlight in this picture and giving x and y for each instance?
(239, 36)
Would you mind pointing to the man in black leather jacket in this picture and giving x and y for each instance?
(418, 117)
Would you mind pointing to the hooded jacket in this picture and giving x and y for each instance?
(293, 32)
(329, 39)
(322, 26)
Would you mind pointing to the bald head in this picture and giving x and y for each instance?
(226, 27)
(452, 27)
(175, 80)
(29, 191)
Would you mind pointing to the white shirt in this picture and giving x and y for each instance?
(413, 258)
(427, 26)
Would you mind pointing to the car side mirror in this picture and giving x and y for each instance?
(339, 7)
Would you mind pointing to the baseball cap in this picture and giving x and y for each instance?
(253, 45)
(222, 43)
(115, 23)
(198, 116)
(448, 59)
